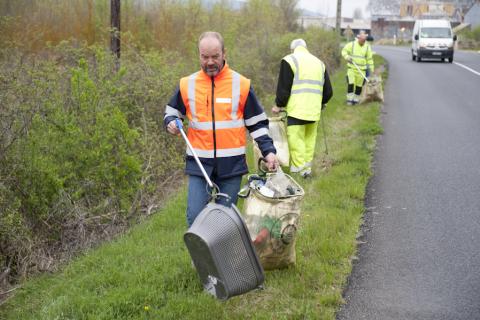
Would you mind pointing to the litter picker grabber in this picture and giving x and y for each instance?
(324, 134)
(179, 124)
(361, 72)
(220, 245)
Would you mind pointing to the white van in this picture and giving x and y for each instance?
(432, 39)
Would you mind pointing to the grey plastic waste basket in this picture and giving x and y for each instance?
(222, 252)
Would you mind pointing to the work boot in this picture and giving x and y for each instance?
(350, 103)
(356, 99)
(306, 173)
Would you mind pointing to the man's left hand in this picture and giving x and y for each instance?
(271, 161)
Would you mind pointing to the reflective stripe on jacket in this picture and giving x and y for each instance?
(361, 55)
(215, 107)
(305, 100)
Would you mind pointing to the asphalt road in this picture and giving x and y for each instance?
(421, 256)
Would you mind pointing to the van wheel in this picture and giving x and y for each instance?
(450, 60)
(413, 56)
(418, 58)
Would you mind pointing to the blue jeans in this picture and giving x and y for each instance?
(198, 196)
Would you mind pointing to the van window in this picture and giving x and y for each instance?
(435, 33)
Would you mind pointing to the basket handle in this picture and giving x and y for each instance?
(260, 168)
(244, 192)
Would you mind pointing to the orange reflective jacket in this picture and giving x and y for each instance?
(215, 112)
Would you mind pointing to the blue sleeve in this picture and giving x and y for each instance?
(256, 122)
(175, 108)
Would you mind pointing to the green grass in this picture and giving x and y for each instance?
(146, 273)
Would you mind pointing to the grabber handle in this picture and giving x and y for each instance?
(366, 79)
(179, 124)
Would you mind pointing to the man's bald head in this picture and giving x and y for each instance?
(362, 37)
(212, 35)
(212, 52)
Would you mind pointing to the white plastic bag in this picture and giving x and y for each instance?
(278, 132)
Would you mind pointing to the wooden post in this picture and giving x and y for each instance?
(91, 24)
(8, 8)
(338, 28)
(115, 30)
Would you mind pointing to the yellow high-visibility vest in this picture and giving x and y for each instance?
(306, 95)
(361, 55)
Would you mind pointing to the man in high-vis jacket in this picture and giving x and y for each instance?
(357, 52)
(303, 89)
(220, 106)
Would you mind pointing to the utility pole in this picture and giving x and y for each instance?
(338, 28)
(91, 24)
(8, 8)
(115, 31)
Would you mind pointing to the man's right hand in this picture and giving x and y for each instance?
(349, 59)
(172, 128)
(275, 109)
(271, 161)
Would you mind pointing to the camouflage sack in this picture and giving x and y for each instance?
(271, 212)
(372, 90)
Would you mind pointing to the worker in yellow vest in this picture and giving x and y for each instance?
(358, 55)
(303, 89)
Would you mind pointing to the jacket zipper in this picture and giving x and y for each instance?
(213, 125)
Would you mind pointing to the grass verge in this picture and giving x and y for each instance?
(146, 273)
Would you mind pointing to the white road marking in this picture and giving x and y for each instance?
(465, 67)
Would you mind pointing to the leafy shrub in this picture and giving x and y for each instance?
(81, 143)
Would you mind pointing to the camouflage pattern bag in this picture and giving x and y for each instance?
(272, 211)
(372, 90)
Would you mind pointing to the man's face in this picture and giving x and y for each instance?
(211, 56)
(362, 37)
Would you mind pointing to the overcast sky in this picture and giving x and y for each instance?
(329, 7)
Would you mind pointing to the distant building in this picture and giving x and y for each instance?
(323, 22)
(472, 17)
(400, 24)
